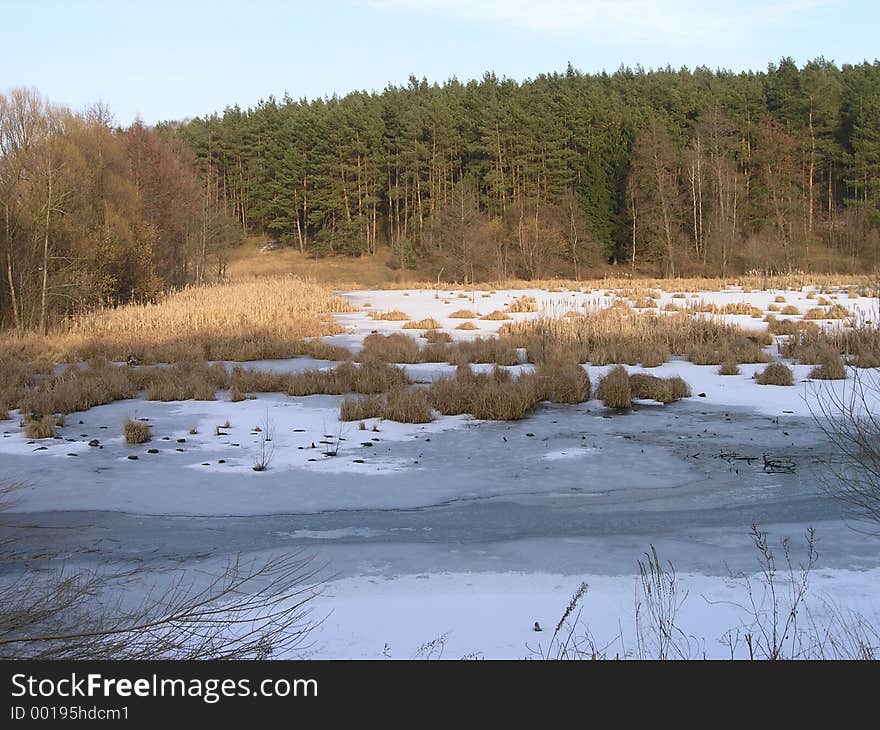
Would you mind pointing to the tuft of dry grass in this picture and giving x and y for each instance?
(437, 337)
(492, 397)
(40, 428)
(524, 303)
(136, 432)
(740, 308)
(394, 315)
(249, 380)
(396, 347)
(235, 395)
(779, 299)
(369, 378)
(563, 381)
(790, 310)
(467, 326)
(775, 374)
(831, 367)
(496, 315)
(428, 323)
(181, 381)
(614, 389)
(407, 406)
(662, 390)
(360, 409)
(463, 314)
(728, 367)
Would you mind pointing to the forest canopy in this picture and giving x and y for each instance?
(667, 172)
(681, 171)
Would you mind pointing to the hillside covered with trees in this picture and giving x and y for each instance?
(675, 171)
(667, 172)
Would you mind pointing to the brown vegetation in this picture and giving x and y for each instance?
(136, 432)
(775, 374)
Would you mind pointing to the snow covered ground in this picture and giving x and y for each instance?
(460, 532)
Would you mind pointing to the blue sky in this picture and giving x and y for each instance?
(172, 60)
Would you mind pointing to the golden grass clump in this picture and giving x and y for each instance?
(463, 314)
(789, 326)
(369, 378)
(614, 389)
(563, 381)
(467, 326)
(428, 323)
(740, 308)
(482, 350)
(235, 395)
(181, 381)
(662, 390)
(494, 396)
(40, 428)
(396, 347)
(496, 315)
(136, 432)
(524, 303)
(832, 367)
(779, 299)
(790, 310)
(775, 374)
(407, 406)
(773, 308)
(249, 380)
(838, 311)
(437, 337)
(394, 315)
(728, 367)
(815, 313)
(644, 303)
(360, 409)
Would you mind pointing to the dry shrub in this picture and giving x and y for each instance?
(359, 409)
(393, 316)
(235, 395)
(40, 428)
(779, 299)
(320, 350)
(437, 337)
(614, 389)
(136, 432)
(428, 323)
(775, 374)
(773, 308)
(823, 302)
(467, 326)
(496, 315)
(671, 307)
(463, 314)
(396, 347)
(790, 309)
(815, 313)
(524, 303)
(407, 406)
(563, 381)
(728, 367)
(832, 367)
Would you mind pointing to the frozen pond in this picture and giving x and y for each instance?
(464, 529)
